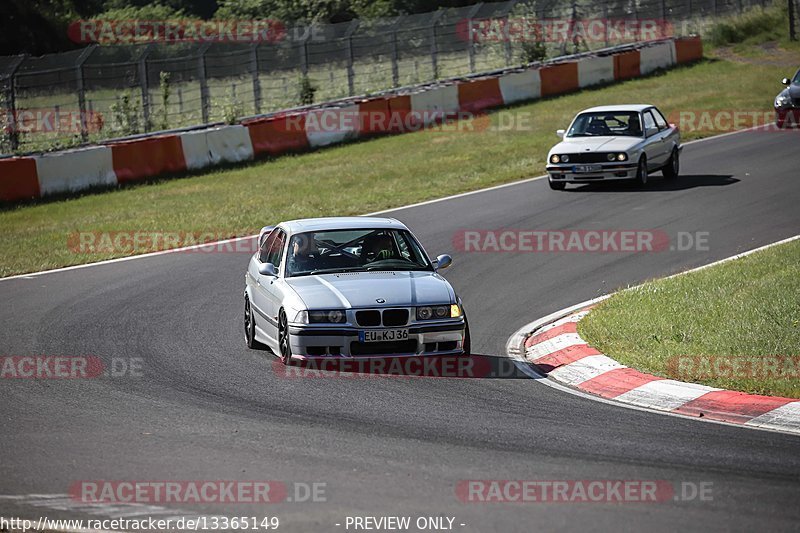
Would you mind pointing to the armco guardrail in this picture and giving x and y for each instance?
(117, 163)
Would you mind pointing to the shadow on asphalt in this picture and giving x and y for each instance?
(431, 366)
(657, 183)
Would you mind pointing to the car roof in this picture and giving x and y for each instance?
(617, 108)
(340, 223)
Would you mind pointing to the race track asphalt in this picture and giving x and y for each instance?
(207, 408)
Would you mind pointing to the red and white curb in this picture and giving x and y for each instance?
(553, 347)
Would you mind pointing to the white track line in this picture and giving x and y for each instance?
(33, 275)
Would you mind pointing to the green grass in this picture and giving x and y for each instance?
(360, 177)
(745, 312)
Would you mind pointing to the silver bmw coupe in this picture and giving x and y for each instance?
(354, 287)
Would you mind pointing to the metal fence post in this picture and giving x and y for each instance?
(304, 54)
(396, 53)
(81, 89)
(507, 41)
(351, 84)
(434, 48)
(11, 102)
(144, 82)
(792, 15)
(254, 71)
(664, 10)
(471, 36)
(205, 104)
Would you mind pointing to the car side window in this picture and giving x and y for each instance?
(649, 122)
(660, 120)
(275, 254)
(263, 252)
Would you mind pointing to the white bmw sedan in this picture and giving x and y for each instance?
(350, 287)
(615, 143)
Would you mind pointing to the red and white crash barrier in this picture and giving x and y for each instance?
(117, 163)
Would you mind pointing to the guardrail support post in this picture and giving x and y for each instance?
(81, 89)
(205, 104)
(256, 80)
(434, 47)
(351, 84)
(396, 53)
(792, 22)
(144, 83)
(471, 36)
(11, 102)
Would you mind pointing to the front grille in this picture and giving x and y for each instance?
(395, 317)
(368, 318)
(590, 157)
(384, 348)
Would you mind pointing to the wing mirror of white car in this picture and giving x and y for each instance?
(561, 133)
(267, 269)
(786, 81)
(442, 262)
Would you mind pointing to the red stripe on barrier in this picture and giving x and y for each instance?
(569, 327)
(278, 135)
(475, 96)
(399, 109)
(731, 406)
(559, 79)
(375, 117)
(688, 49)
(627, 65)
(615, 382)
(568, 355)
(147, 158)
(18, 179)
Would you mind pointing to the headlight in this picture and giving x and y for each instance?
(555, 159)
(611, 157)
(622, 157)
(565, 158)
(455, 311)
(437, 311)
(782, 100)
(329, 316)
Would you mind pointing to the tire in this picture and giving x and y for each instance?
(250, 327)
(673, 166)
(467, 345)
(641, 172)
(284, 342)
(557, 185)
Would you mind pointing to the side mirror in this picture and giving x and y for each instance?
(651, 131)
(442, 262)
(786, 81)
(267, 269)
(561, 133)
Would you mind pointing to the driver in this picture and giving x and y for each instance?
(378, 247)
(305, 253)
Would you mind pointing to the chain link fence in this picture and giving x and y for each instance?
(103, 92)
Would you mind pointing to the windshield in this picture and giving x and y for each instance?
(625, 123)
(326, 252)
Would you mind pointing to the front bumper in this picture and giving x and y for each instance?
(607, 172)
(445, 337)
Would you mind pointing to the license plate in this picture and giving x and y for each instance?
(383, 335)
(586, 168)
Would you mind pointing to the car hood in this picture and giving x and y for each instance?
(595, 144)
(364, 289)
